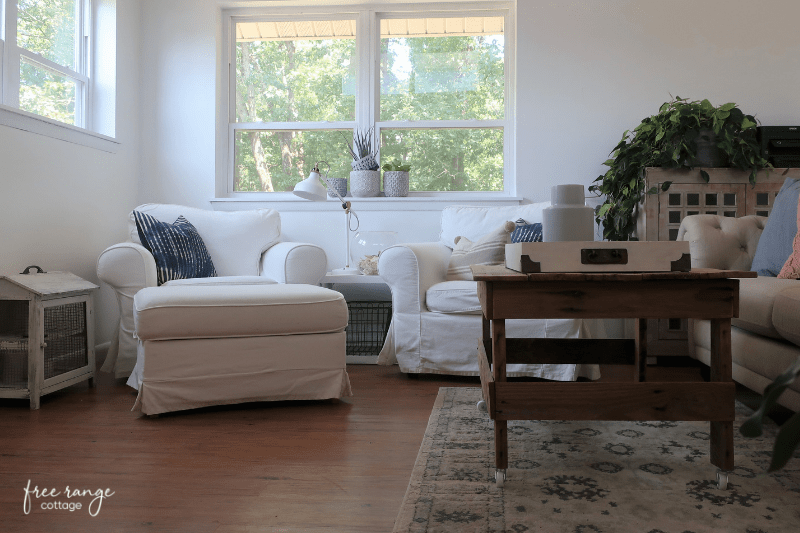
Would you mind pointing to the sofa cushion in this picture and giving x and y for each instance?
(177, 248)
(488, 250)
(756, 300)
(786, 313)
(775, 244)
(221, 311)
(791, 268)
(454, 297)
(474, 222)
(235, 240)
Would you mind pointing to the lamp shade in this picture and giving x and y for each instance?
(311, 188)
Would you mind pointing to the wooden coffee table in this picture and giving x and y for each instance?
(701, 293)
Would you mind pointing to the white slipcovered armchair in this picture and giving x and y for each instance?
(245, 247)
(436, 324)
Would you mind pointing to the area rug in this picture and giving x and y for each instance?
(603, 477)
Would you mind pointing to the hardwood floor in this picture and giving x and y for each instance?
(264, 467)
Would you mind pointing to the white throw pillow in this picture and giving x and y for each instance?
(488, 250)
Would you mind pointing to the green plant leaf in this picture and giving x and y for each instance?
(747, 123)
(665, 185)
(705, 176)
(752, 427)
(652, 190)
(785, 443)
(603, 210)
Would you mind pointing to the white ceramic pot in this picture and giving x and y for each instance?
(568, 218)
(365, 183)
(395, 183)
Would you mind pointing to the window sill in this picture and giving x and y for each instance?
(290, 202)
(22, 120)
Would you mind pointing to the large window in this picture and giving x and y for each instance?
(433, 86)
(46, 58)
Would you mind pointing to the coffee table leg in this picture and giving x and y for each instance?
(641, 350)
(499, 374)
(721, 432)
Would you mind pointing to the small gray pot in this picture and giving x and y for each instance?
(337, 184)
(395, 183)
(365, 183)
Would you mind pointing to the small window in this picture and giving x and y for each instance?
(674, 199)
(731, 214)
(762, 198)
(693, 199)
(711, 199)
(762, 213)
(674, 217)
(48, 69)
(729, 199)
(692, 213)
(711, 212)
(673, 234)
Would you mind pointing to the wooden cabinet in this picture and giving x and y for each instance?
(728, 193)
(46, 334)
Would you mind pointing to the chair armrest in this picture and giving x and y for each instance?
(410, 270)
(126, 267)
(725, 243)
(294, 262)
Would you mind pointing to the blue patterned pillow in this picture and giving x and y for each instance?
(177, 248)
(775, 245)
(525, 232)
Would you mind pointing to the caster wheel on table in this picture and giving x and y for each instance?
(482, 405)
(722, 480)
(499, 478)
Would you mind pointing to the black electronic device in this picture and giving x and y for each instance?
(780, 145)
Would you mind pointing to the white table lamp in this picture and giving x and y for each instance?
(312, 189)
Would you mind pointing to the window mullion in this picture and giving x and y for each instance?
(11, 58)
(365, 115)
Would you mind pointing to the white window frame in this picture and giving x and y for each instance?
(367, 90)
(88, 130)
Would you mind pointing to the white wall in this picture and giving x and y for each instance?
(61, 204)
(586, 71)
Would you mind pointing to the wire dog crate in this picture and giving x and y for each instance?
(367, 326)
(46, 334)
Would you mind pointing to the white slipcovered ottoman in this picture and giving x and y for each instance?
(203, 345)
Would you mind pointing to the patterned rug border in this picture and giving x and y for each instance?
(451, 489)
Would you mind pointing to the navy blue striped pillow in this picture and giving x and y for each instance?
(179, 251)
(525, 232)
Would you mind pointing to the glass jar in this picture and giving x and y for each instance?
(366, 246)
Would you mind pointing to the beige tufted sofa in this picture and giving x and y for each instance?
(765, 339)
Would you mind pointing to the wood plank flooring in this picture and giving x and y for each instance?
(323, 466)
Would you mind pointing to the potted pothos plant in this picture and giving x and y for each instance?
(395, 178)
(683, 134)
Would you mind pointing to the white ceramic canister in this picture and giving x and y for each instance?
(568, 218)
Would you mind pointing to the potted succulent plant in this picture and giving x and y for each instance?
(395, 178)
(365, 178)
(683, 134)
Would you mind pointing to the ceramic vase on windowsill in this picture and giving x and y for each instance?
(395, 183)
(365, 183)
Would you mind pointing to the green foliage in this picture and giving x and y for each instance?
(47, 28)
(668, 139)
(396, 165)
(422, 78)
(789, 435)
